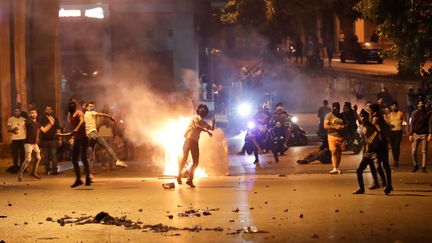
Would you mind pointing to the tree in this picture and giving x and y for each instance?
(407, 23)
(278, 19)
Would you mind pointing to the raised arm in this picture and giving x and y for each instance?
(48, 126)
(105, 115)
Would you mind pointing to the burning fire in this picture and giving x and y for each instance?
(171, 137)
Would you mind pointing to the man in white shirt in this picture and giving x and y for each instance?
(94, 138)
(192, 135)
(16, 128)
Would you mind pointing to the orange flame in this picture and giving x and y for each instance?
(171, 137)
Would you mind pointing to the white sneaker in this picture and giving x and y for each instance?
(334, 171)
(121, 164)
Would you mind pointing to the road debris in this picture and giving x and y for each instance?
(107, 219)
(168, 186)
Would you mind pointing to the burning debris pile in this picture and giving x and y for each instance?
(107, 219)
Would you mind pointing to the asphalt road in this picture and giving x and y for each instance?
(292, 208)
(286, 202)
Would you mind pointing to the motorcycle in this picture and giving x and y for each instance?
(354, 142)
(297, 135)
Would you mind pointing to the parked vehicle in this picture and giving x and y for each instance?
(362, 52)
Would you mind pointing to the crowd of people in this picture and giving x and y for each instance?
(382, 127)
(28, 131)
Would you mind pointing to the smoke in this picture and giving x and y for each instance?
(214, 153)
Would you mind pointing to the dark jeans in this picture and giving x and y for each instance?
(251, 147)
(80, 148)
(50, 155)
(368, 159)
(383, 161)
(395, 138)
(192, 146)
(18, 150)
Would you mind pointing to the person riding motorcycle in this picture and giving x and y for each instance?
(263, 115)
(279, 144)
(256, 140)
(280, 115)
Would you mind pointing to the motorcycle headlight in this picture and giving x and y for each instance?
(251, 124)
(244, 109)
(294, 119)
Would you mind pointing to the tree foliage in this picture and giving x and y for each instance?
(278, 19)
(408, 23)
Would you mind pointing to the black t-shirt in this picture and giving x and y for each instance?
(51, 133)
(31, 131)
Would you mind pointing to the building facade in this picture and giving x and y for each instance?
(51, 50)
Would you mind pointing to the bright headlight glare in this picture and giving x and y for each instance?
(244, 109)
(294, 119)
(251, 124)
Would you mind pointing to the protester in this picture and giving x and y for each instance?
(334, 124)
(94, 137)
(49, 142)
(322, 112)
(192, 135)
(370, 148)
(382, 152)
(16, 127)
(395, 120)
(31, 143)
(80, 143)
(420, 132)
(322, 154)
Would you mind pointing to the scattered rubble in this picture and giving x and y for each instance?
(3, 216)
(168, 185)
(236, 210)
(105, 218)
(252, 229)
(197, 212)
(315, 236)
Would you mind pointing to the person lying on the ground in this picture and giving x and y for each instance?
(322, 154)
